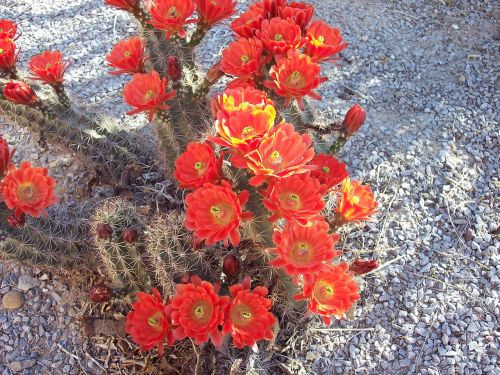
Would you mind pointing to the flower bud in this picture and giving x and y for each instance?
(354, 119)
(130, 235)
(20, 93)
(186, 277)
(100, 293)
(362, 266)
(231, 266)
(16, 220)
(214, 73)
(6, 155)
(174, 68)
(104, 231)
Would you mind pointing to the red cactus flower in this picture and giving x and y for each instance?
(213, 11)
(362, 266)
(197, 312)
(300, 13)
(6, 155)
(248, 22)
(16, 219)
(332, 293)
(19, 92)
(280, 35)
(28, 189)
(295, 77)
(198, 165)
(354, 119)
(147, 92)
(356, 203)
(295, 198)
(8, 55)
(127, 57)
(243, 58)
(8, 29)
(149, 323)
(323, 41)
(304, 249)
(329, 171)
(280, 154)
(241, 98)
(214, 213)
(248, 319)
(171, 16)
(271, 7)
(243, 130)
(128, 5)
(48, 67)
(174, 68)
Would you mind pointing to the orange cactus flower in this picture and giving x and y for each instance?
(8, 55)
(280, 35)
(48, 67)
(243, 130)
(299, 12)
(332, 293)
(248, 319)
(304, 249)
(357, 202)
(28, 189)
(147, 92)
(197, 312)
(241, 98)
(128, 5)
(213, 11)
(6, 155)
(127, 57)
(198, 165)
(243, 58)
(282, 153)
(248, 22)
(20, 92)
(8, 29)
(329, 171)
(172, 15)
(149, 322)
(323, 41)
(295, 198)
(214, 213)
(295, 77)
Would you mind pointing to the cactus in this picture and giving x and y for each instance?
(43, 242)
(122, 259)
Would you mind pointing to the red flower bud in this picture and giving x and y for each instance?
(174, 68)
(104, 231)
(231, 266)
(16, 220)
(100, 293)
(186, 277)
(20, 93)
(354, 119)
(130, 235)
(362, 266)
(6, 155)
(215, 73)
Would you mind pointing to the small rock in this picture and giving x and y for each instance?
(12, 300)
(27, 282)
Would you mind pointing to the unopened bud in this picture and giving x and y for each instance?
(16, 220)
(174, 68)
(361, 266)
(130, 235)
(104, 231)
(100, 293)
(354, 119)
(231, 266)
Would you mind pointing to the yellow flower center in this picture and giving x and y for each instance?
(278, 37)
(1, 50)
(248, 130)
(276, 158)
(26, 192)
(241, 315)
(296, 80)
(328, 290)
(244, 59)
(323, 292)
(199, 311)
(319, 41)
(172, 11)
(153, 322)
(321, 38)
(294, 197)
(198, 165)
(48, 66)
(222, 214)
(302, 248)
(126, 53)
(149, 95)
(355, 199)
(325, 169)
(202, 311)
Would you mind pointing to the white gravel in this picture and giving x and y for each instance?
(428, 73)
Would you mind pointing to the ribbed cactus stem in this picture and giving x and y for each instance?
(338, 144)
(198, 35)
(62, 96)
(182, 132)
(168, 146)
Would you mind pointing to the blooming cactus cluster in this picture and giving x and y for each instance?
(25, 189)
(199, 312)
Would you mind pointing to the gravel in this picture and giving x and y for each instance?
(428, 74)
